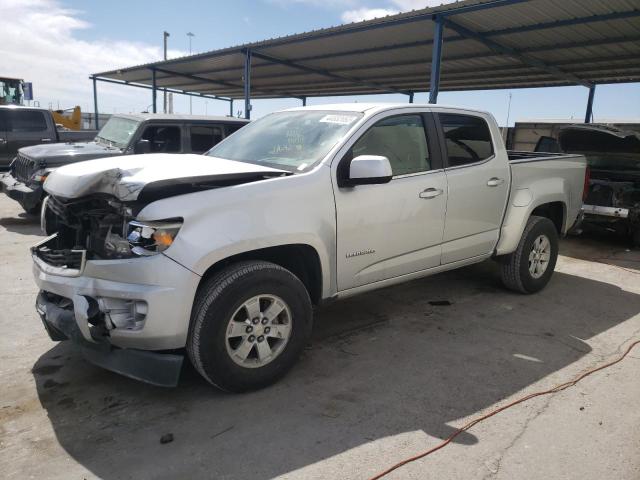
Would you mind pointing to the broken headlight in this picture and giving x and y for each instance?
(153, 237)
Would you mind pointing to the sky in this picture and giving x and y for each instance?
(57, 44)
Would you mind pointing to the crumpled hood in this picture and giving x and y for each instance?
(152, 175)
(54, 154)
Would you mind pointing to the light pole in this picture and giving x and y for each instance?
(190, 35)
(165, 35)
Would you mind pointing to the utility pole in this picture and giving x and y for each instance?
(190, 35)
(165, 35)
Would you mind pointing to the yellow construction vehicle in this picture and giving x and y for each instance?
(70, 121)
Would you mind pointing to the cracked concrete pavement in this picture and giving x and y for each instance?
(386, 376)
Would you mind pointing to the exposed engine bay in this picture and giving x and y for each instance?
(97, 225)
(99, 228)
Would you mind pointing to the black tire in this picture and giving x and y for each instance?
(35, 210)
(635, 237)
(215, 303)
(515, 266)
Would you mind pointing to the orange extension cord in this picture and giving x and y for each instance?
(467, 426)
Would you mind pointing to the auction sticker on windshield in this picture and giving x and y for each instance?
(339, 119)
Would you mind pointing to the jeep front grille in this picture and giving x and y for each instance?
(22, 168)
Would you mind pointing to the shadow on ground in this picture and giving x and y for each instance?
(602, 247)
(380, 364)
(23, 223)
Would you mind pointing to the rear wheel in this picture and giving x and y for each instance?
(529, 268)
(249, 325)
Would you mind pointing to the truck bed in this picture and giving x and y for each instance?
(542, 178)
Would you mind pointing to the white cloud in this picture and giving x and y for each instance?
(396, 6)
(39, 42)
(407, 5)
(360, 14)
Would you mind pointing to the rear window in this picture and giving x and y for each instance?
(467, 138)
(26, 121)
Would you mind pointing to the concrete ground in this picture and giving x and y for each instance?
(388, 375)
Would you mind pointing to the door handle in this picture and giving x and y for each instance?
(45, 139)
(2, 141)
(430, 193)
(495, 182)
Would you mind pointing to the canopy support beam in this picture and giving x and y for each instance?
(513, 53)
(326, 73)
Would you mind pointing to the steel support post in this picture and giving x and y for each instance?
(588, 118)
(154, 91)
(95, 103)
(247, 84)
(436, 60)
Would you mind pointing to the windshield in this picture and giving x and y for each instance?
(118, 131)
(292, 141)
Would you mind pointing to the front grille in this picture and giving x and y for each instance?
(22, 168)
(63, 261)
(60, 258)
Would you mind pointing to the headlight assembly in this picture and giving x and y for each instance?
(153, 237)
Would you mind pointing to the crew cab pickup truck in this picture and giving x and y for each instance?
(227, 254)
(25, 126)
(121, 135)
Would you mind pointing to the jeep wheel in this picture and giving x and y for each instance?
(32, 209)
(249, 324)
(529, 268)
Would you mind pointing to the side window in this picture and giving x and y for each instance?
(233, 127)
(163, 139)
(203, 138)
(27, 121)
(401, 139)
(467, 138)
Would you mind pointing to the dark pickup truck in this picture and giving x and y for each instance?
(25, 126)
(121, 135)
(612, 202)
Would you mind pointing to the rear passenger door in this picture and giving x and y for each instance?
(478, 180)
(203, 137)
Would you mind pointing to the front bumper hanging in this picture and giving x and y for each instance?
(161, 369)
(27, 197)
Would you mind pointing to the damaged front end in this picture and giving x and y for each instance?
(613, 156)
(101, 228)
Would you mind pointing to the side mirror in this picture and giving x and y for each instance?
(142, 146)
(369, 170)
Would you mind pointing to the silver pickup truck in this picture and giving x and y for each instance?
(226, 255)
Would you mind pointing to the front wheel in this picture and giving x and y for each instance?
(31, 209)
(529, 268)
(249, 324)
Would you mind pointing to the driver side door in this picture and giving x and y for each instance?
(393, 229)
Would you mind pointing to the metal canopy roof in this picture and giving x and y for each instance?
(487, 44)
